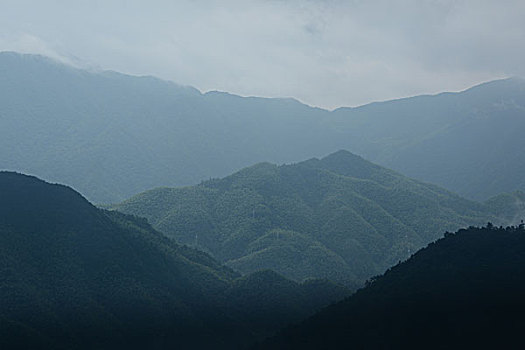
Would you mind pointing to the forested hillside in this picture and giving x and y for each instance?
(508, 206)
(111, 135)
(340, 217)
(464, 291)
(73, 276)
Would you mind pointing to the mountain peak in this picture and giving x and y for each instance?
(349, 164)
(45, 202)
(342, 155)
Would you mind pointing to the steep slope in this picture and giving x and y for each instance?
(463, 291)
(74, 276)
(341, 217)
(111, 135)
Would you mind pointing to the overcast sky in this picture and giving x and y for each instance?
(326, 53)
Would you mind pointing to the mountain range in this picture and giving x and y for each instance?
(111, 135)
(339, 217)
(73, 276)
(186, 251)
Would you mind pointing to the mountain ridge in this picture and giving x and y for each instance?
(111, 135)
(110, 72)
(356, 217)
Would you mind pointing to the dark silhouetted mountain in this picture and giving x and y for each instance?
(340, 217)
(111, 135)
(464, 291)
(74, 276)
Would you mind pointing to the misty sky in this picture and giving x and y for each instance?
(326, 53)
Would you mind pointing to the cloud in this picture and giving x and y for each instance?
(28, 43)
(326, 52)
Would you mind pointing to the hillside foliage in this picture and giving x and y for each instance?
(463, 291)
(74, 276)
(341, 217)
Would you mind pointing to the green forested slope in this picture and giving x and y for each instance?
(340, 217)
(464, 291)
(74, 276)
(508, 206)
(111, 135)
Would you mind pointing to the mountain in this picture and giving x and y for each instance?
(467, 142)
(111, 135)
(74, 276)
(339, 217)
(464, 291)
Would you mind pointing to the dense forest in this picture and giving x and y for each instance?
(464, 291)
(508, 206)
(340, 217)
(111, 135)
(73, 276)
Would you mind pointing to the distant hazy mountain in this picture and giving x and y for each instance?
(469, 142)
(463, 292)
(74, 276)
(340, 217)
(111, 135)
